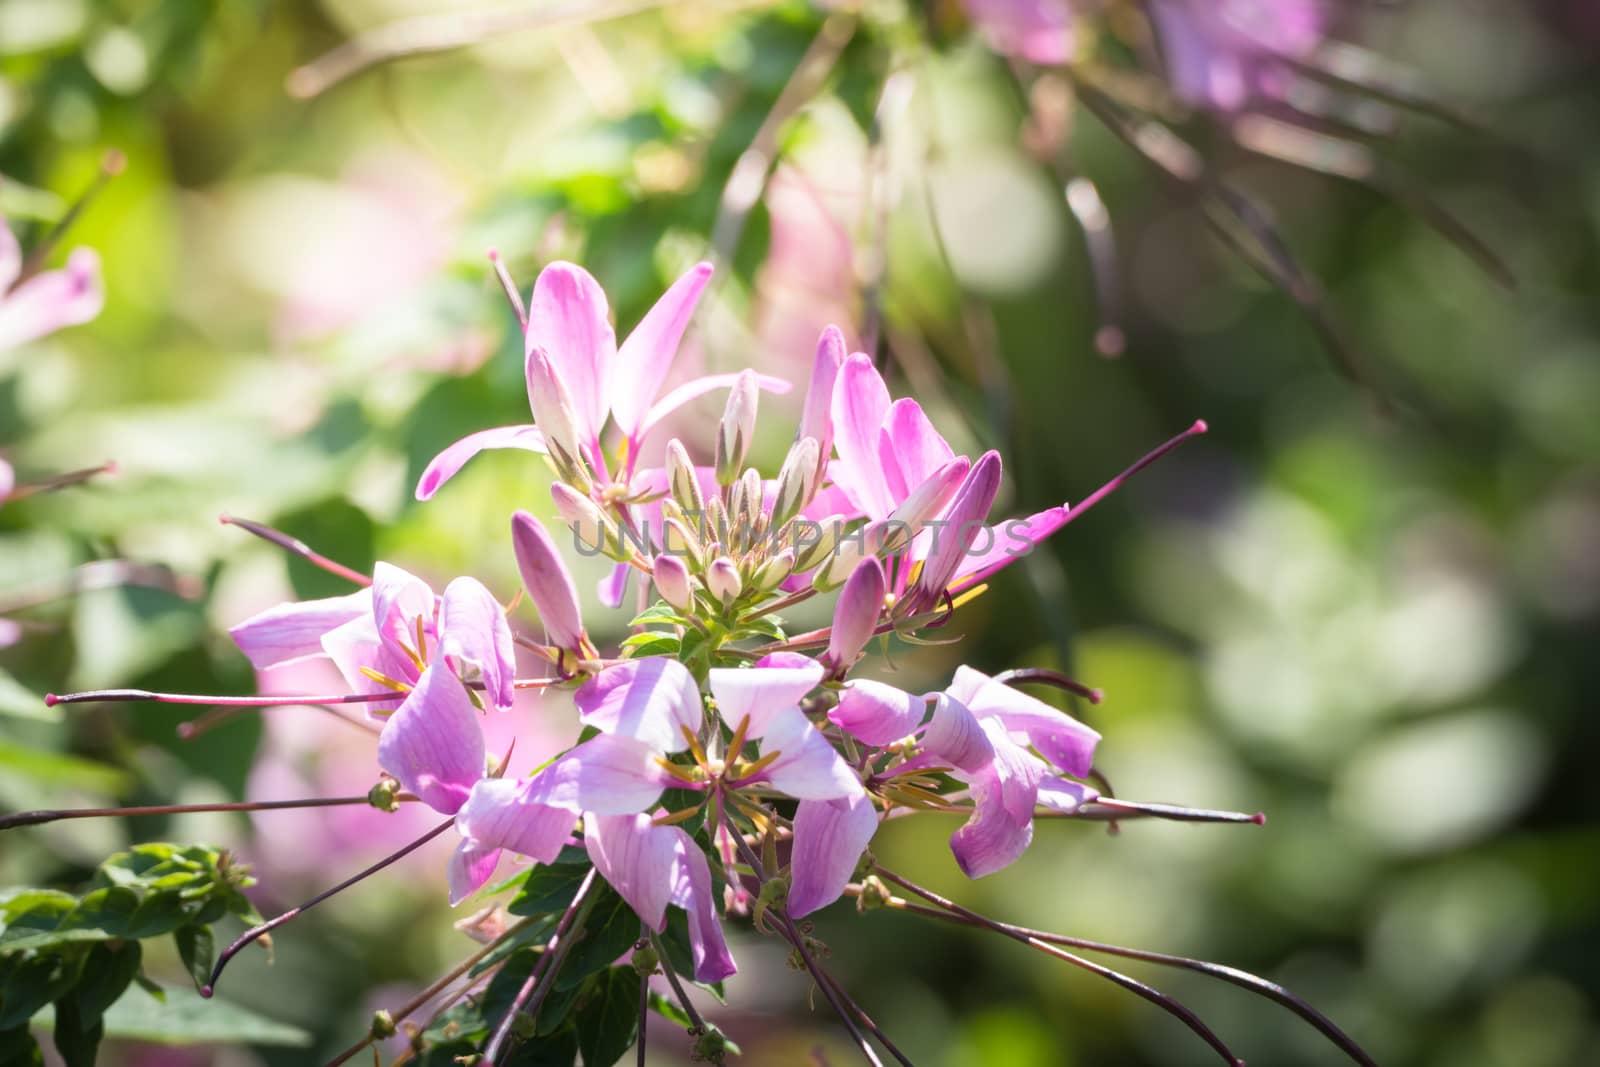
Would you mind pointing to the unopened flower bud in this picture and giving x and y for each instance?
(964, 520)
(771, 574)
(645, 960)
(548, 582)
(746, 509)
(855, 616)
(737, 428)
(682, 480)
(383, 795)
(722, 579)
(847, 553)
(673, 582)
(814, 542)
(382, 1026)
(557, 420)
(595, 532)
(922, 504)
(797, 481)
(679, 540)
(816, 416)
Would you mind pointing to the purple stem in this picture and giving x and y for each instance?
(555, 953)
(1044, 676)
(296, 547)
(35, 818)
(1155, 996)
(256, 932)
(510, 287)
(1177, 813)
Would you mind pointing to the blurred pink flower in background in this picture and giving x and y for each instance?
(809, 276)
(35, 306)
(1039, 31)
(1226, 53)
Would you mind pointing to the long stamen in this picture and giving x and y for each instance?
(510, 287)
(1045, 676)
(697, 1023)
(60, 481)
(1155, 996)
(536, 988)
(201, 725)
(1177, 813)
(111, 164)
(255, 932)
(134, 696)
(295, 546)
(36, 818)
(1243, 979)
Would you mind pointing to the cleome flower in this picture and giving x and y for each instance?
(725, 766)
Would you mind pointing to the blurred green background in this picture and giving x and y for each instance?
(1378, 628)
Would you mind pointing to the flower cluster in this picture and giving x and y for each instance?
(725, 765)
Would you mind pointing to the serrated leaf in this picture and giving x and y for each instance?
(608, 1021)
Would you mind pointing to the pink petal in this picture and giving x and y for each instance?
(829, 838)
(855, 615)
(1039, 31)
(294, 630)
(692, 891)
(636, 858)
(548, 582)
(444, 466)
(1004, 795)
(816, 417)
(910, 450)
(652, 866)
(356, 649)
(10, 256)
(651, 700)
(763, 693)
(8, 477)
(474, 634)
(568, 318)
(646, 356)
(877, 713)
(612, 588)
(1060, 794)
(399, 599)
(1060, 738)
(808, 767)
(608, 775)
(52, 300)
(1005, 543)
(433, 743)
(860, 402)
(699, 387)
(956, 737)
(964, 523)
(499, 814)
(470, 868)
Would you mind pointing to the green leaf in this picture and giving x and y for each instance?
(669, 1010)
(558, 1050)
(611, 930)
(197, 948)
(608, 1021)
(107, 973)
(651, 644)
(28, 983)
(186, 1018)
(550, 887)
(660, 611)
(19, 1049)
(680, 952)
(78, 1034)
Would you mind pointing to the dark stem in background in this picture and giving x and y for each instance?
(1156, 997)
(542, 978)
(644, 995)
(256, 932)
(111, 164)
(695, 1019)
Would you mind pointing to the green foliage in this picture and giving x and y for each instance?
(82, 952)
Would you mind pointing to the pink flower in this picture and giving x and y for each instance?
(48, 301)
(1224, 53)
(569, 339)
(1039, 31)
